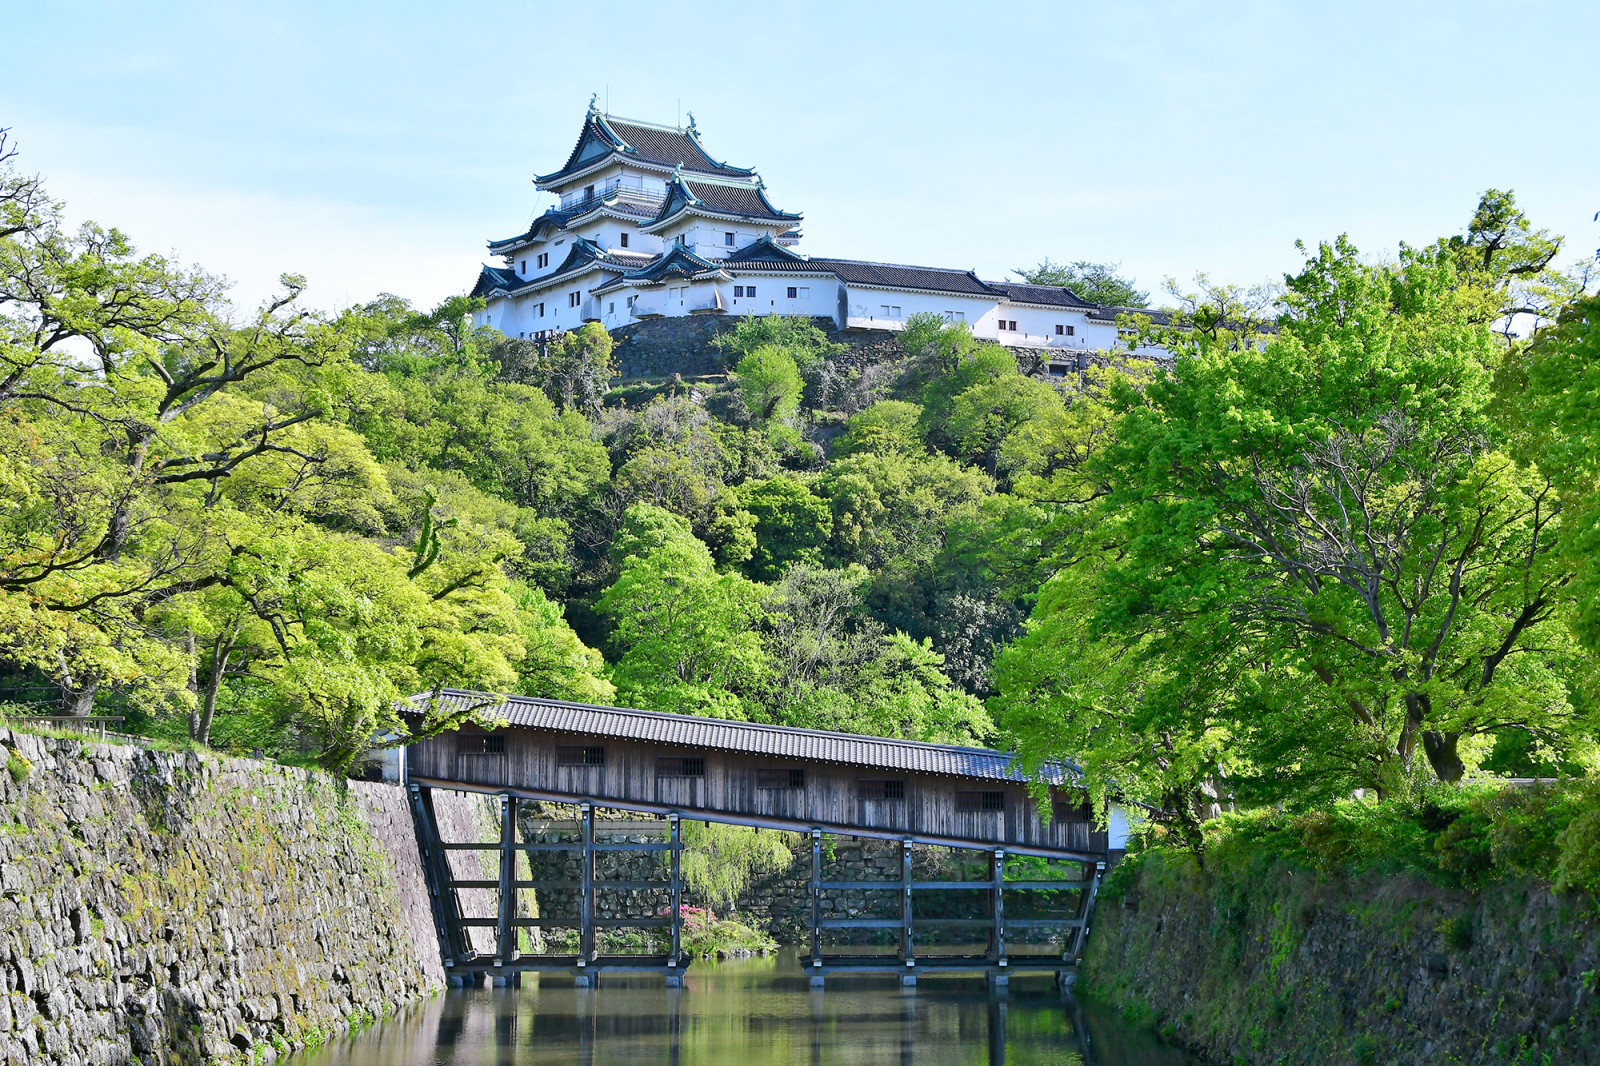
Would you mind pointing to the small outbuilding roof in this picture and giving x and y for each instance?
(883, 754)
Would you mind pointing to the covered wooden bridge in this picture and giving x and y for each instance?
(808, 781)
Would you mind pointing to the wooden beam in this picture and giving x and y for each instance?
(505, 935)
(908, 953)
(816, 897)
(997, 897)
(586, 897)
(675, 832)
(790, 825)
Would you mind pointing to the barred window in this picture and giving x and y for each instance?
(680, 766)
(580, 755)
(881, 790)
(980, 801)
(1071, 810)
(492, 745)
(781, 777)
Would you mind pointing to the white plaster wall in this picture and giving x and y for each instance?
(1036, 326)
(772, 295)
(865, 308)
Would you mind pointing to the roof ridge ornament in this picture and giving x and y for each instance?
(594, 105)
(691, 129)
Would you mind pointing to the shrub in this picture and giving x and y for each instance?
(18, 766)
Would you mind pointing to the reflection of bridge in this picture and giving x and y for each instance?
(807, 781)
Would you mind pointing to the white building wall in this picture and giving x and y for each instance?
(814, 297)
(871, 308)
(1036, 328)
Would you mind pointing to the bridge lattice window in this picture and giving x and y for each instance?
(580, 755)
(680, 766)
(980, 801)
(781, 777)
(486, 746)
(881, 790)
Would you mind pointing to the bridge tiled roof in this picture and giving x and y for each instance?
(882, 754)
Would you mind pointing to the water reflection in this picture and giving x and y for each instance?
(756, 1013)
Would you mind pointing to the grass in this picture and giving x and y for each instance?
(1468, 837)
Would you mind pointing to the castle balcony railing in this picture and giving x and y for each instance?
(617, 195)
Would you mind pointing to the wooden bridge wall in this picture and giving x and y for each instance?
(831, 797)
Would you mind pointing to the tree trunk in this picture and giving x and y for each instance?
(221, 652)
(79, 702)
(1443, 756)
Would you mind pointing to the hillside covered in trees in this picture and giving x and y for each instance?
(1344, 540)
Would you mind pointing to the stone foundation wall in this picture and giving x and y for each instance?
(1281, 966)
(169, 908)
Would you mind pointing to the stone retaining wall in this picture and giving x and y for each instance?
(1278, 965)
(172, 908)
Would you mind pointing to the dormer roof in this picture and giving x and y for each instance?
(718, 198)
(583, 255)
(766, 254)
(677, 262)
(605, 137)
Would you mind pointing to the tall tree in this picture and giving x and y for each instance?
(1098, 283)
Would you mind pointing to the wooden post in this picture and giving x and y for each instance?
(907, 944)
(997, 895)
(586, 892)
(1086, 910)
(675, 827)
(505, 932)
(436, 869)
(816, 897)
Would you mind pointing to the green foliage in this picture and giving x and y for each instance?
(791, 525)
(18, 766)
(770, 382)
(708, 937)
(1096, 282)
(720, 861)
(886, 426)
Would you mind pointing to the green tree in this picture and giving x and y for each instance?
(1335, 510)
(1098, 283)
(791, 525)
(770, 382)
(685, 633)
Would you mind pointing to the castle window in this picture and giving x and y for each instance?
(805, 293)
(588, 192)
(611, 308)
(727, 238)
(523, 268)
(624, 240)
(1061, 331)
(490, 745)
(749, 290)
(544, 260)
(794, 292)
(738, 291)
(541, 310)
(580, 755)
(574, 298)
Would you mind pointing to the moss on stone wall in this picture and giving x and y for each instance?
(171, 908)
(1259, 960)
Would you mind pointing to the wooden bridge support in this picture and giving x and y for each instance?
(996, 961)
(464, 963)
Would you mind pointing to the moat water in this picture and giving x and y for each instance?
(759, 1012)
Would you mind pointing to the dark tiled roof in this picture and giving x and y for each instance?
(492, 278)
(719, 198)
(678, 261)
(662, 145)
(765, 250)
(896, 276)
(582, 253)
(552, 220)
(1105, 313)
(778, 742)
(1052, 295)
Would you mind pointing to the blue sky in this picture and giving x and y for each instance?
(375, 147)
